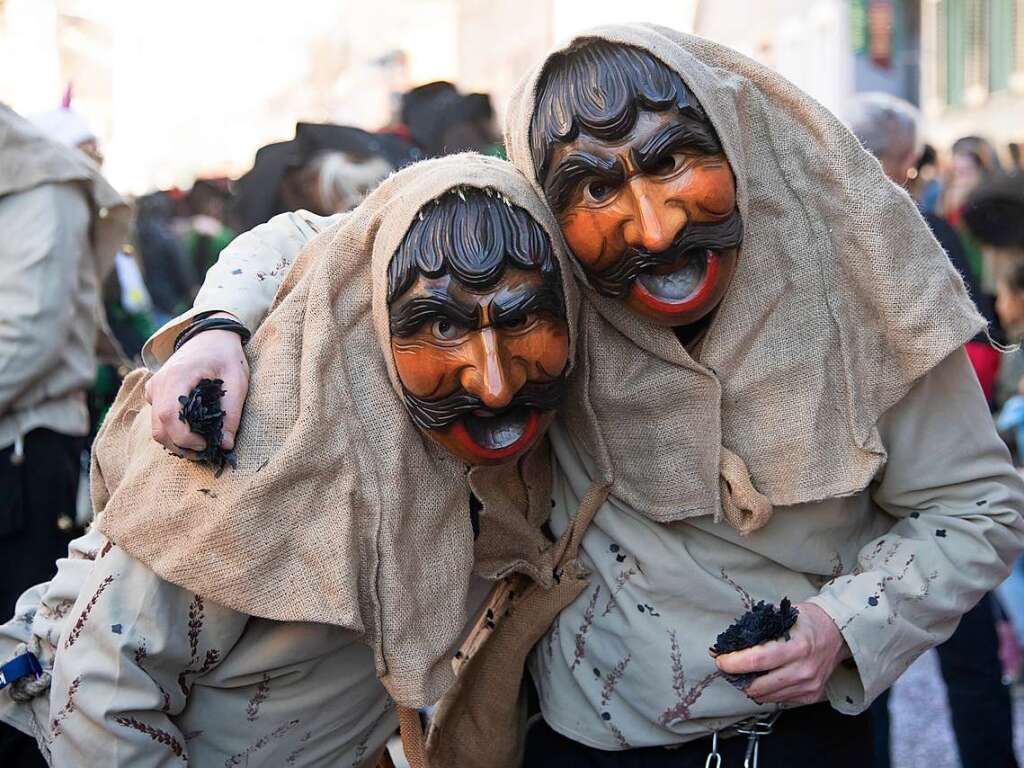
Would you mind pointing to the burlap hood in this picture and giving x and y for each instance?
(841, 301)
(28, 159)
(340, 511)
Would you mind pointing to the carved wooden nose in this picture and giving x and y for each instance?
(489, 378)
(653, 223)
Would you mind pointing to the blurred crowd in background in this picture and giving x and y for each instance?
(324, 169)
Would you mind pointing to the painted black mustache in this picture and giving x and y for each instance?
(616, 281)
(440, 414)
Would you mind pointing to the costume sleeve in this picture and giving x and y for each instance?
(957, 503)
(131, 649)
(40, 615)
(45, 237)
(245, 278)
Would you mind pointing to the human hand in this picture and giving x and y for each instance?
(208, 355)
(796, 670)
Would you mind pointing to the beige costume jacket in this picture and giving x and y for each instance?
(60, 225)
(183, 680)
(894, 566)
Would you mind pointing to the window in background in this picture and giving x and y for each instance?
(979, 48)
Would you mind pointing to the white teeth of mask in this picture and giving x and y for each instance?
(676, 285)
(498, 431)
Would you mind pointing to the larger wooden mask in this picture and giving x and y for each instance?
(478, 328)
(635, 172)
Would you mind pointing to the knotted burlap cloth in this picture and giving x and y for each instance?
(340, 510)
(842, 299)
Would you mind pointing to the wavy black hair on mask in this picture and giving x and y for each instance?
(473, 235)
(599, 88)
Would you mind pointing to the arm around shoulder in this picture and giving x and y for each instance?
(245, 278)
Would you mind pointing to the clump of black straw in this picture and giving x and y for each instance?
(201, 410)
(760, 624)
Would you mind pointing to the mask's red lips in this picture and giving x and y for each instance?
(471, 446)
(699, 295)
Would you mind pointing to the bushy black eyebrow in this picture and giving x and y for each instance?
(408, 318)
(561, 185)
(516, 306)
(682, 134)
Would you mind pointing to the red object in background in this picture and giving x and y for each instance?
(1010, 654)
(985, 361)
(880, 27)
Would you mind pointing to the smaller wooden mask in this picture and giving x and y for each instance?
(478, 328)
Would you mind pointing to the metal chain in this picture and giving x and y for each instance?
(754, 729)
(714, 756)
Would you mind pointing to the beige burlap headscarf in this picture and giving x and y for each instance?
(340, 510)
(28, 159)
(842, 299)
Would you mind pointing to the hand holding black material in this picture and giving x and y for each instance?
(762, 623)
(201, 410)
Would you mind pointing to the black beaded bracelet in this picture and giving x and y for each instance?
(212, 324)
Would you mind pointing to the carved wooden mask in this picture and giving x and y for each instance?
(635, 172)
(478, 328)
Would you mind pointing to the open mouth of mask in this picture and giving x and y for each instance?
(501, 431)
(679, 281)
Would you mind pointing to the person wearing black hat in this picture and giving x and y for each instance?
(325, 169)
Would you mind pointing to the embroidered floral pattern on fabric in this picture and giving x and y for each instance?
(612, 677)
(76, 631)
(156, 734)
(294, 755)
(685, 697)
(584, 630)
(252, 708)
(56, 728)
(196, 616)
(621, 580)
(364, 737)
(242, 758)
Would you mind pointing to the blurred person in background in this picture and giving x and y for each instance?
(1010, 306)
(926, 184)
(888, 128)
(66, 126)
(206, 232)
(994, 214)
(442, 121)
(170, 275)
(325, 169)
(127, 302)
(974, 161)
(980, 704)
(60, 227)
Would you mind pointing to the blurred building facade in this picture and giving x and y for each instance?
(972, 69)
(195, 87)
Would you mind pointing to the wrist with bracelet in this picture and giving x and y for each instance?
(205, 322)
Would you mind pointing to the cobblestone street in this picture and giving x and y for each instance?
(922, 736)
